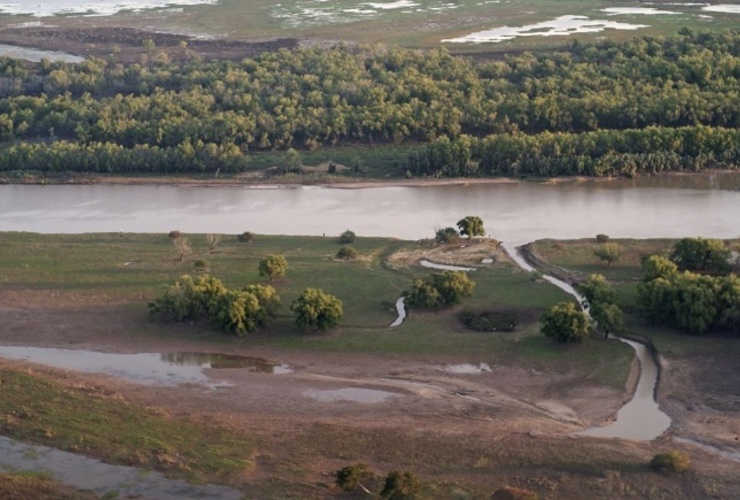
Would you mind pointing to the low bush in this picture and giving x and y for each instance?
(245, 237)
(602, 238)
(347, 237)
(347, 253)
(670, 461)
(489, 321)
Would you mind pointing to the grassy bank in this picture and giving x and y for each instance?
(90, 421)
(124, 271)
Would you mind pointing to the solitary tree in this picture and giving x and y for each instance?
(317, 310)
(609, 252)
(565, 323)
(182, 247)
(470, 226)
(212, 240)
(273, 266)
(347, 237)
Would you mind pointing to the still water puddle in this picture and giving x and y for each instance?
(401, 310)
(355, 395)
(144, 368)
(86, 473)
(444, 267)
(467, 369)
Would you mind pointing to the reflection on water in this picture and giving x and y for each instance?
(36, 55)
(222, 361)
(641, 419)
(144, 368)
(515, 213)
(353, 394)
(109, 481)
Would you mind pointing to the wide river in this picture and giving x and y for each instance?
(518, 212)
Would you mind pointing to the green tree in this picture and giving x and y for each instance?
(565, 322)
(273, 266)
(291, 162)
(596, 290)
(471, 226)
(439, 290)
(447, 235)
(350, 477)
(656, 266)
(608, 317)
(401, 486)
(317, 310)
(699, 254)
(609, 252)
(347, 237)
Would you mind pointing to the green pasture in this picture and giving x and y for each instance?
(129, 270)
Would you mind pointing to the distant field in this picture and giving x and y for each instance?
(413, 23)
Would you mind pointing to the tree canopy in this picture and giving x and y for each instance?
(566, 323)
(470, 226)
(317, 310)
(569, 112)
(273, 266)
(439, 290)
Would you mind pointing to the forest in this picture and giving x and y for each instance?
(646, 105)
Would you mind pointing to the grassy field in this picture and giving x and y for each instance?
(417, 23)
(131, 269)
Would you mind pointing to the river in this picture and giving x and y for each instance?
(516, 213)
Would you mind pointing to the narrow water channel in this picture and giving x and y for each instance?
(641, 419)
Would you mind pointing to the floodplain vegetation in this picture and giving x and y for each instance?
(647, 105)
(125, 271)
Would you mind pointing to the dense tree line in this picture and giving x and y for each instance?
(593, 109)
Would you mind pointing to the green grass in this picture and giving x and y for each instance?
(85, 420)
(89, 269)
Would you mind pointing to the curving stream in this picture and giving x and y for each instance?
(641, 419)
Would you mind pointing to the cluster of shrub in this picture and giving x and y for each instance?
(237, 311)
(439, 290)
(692, 289)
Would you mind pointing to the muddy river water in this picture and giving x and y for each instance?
(664, 206)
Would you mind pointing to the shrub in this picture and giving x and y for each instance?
(602, 238)
(245, 237)
(317, 310)
(175, 234)
(447, 235)
(670, 461)
(347, 237)
(439, 290)
(489, 321)
(348, 478)
(273, 266)
(200, 265)
(509, 493)
(347, 253)
(401, 486)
